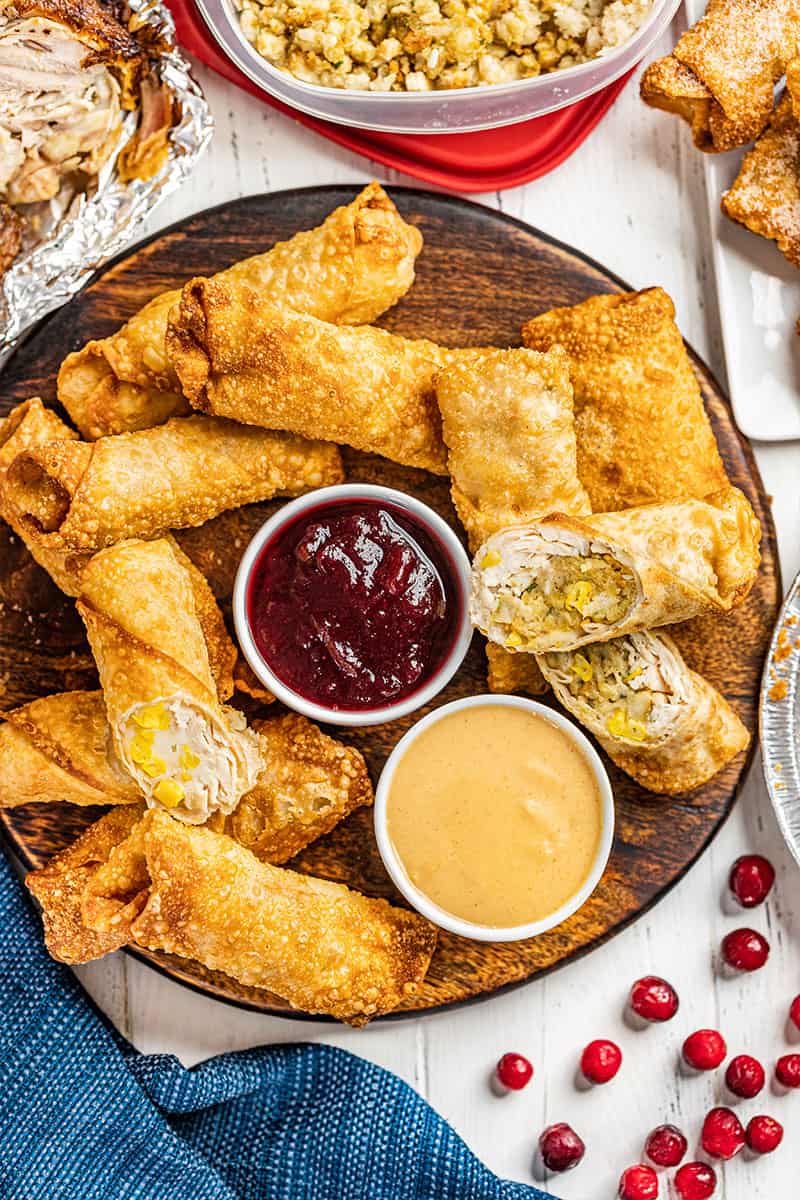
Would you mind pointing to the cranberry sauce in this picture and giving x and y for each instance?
(354, 605)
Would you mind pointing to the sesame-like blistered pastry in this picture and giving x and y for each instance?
(59, 886)
(660, 722)
(765, 196)
(86, 495)
(307, 784)
(508, 425)
(185, 750)
(349, 270)
(564, 582)
(721, 75)
(59, 748)
(239, 355)
(316, 944)
(642, 432)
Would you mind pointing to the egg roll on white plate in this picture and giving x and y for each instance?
(662, 723)
(562, 582)
(185, 750)
(316, 944)
(349, 270)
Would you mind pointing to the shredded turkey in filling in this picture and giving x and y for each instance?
(59, 113)
(552, 597)
(625, 682)
(189, 761)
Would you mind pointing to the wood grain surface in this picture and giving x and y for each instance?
(479, 277)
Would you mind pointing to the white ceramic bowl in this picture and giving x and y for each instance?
(422, 903)
(455, 110)
(441, 533)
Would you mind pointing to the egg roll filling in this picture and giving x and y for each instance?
(631, 684)
(186, 759)
(542, 595)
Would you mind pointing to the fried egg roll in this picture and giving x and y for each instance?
(508, 426)
(60, 884)
(721, 75)
(349, 270)
(319, 946)
(662, 723)
(642, 432)
(307, 784)
(562, 582)
(86, 495)
(239, 355)
(59, 748)
(28, 426)
(765, 196)
(186, 751)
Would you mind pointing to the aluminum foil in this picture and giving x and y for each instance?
(780, 720)
(77, 232)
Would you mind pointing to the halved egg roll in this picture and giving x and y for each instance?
(86, 495)
(562, 582)
(508, 425)
(662, 723)
(307, 784)
(642, 432)
(319, 946)
(59, 748)
(27, 426)
(721, 75)
(182, 747)
(765, 196)
(238, 355)
(60, 884)
(349, 270)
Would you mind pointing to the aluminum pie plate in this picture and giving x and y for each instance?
(779, 720)
(77, 232)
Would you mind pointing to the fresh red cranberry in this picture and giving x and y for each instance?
(654, 999)
(695, 1181)
(638, 1183)
(751, 879)
(787, 1070)
(601, 1060)
(704, 1049)
(723, 1135)
(794, 1012)
(665, 1146)
(764, 1134)
(745, 1076)
(514, 1071)
(560, 1147)
(745, 949)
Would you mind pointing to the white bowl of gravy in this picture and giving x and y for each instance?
(494, 817)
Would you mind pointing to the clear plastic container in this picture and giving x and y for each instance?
(458, 110)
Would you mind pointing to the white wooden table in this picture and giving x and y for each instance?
(632, 197)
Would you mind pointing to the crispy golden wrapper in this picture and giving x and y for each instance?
(86, 495)
(170, 732)
(686, 736)
(10, 236)
(27, 427)
(642, 432)
(59, 748)
(563, 582)
(765, 196)
(508, 426)
(721, 75)
(308, 783)
(357, 264)
(59, 888)
(197, 894)
(239, 355)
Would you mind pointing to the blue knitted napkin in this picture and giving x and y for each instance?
(84, 1116)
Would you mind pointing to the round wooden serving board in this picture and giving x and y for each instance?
(479, 277)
